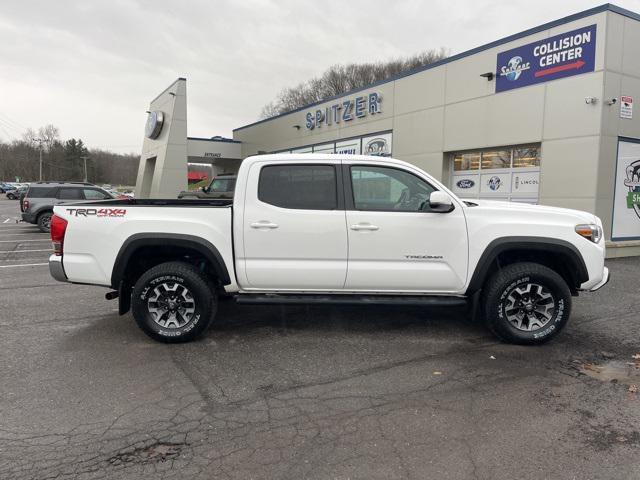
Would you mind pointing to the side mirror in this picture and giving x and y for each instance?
(440, 202)
(205, 189)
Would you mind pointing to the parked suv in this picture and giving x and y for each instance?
(5, 187)
(37, 205)
(15, 193)
(222, 186)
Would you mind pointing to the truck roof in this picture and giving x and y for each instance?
(319, 157)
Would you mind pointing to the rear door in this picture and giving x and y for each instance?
(395, 244)
(66, 194)
(294, 227)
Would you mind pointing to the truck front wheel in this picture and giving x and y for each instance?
(526, 303)
(173, 302)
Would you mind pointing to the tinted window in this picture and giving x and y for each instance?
(42, 192)
(388, 189)
(91, 194)
(223, 185)
(69, 194)
(310, 187)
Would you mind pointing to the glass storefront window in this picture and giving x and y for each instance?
(496, 159)
(466, 161)
(526, 157)
(504, 173)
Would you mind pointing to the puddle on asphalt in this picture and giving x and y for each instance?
(624, 372)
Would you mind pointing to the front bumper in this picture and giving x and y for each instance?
(603, 282)
(56, 269)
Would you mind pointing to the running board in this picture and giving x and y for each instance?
(349, 299)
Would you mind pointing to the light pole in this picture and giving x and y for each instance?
(85, 158)
(40, 142)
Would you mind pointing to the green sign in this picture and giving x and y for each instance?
(633, 198)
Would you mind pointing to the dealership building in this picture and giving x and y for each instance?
(543, 116)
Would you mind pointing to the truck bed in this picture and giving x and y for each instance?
(98, 230)
(160, 202)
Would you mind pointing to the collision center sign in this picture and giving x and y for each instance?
(560, 56)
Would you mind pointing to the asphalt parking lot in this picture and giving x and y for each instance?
(296, 392)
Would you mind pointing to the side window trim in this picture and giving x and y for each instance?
(348, 185)
(349, 203)
(340, 194)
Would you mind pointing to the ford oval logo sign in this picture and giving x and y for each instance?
(155, 120)
(465, 183)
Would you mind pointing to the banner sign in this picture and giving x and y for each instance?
(626, 200)
(560, 56)
(378, 145)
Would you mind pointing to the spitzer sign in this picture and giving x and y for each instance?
(564, 55)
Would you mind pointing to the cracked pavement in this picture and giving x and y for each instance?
(306, 392)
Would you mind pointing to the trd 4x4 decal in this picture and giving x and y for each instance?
(97, 212)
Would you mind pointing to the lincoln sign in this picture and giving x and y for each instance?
(560, 56)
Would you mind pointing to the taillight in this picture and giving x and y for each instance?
(25, 205)
(58, 228)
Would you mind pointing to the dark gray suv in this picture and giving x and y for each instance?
(37, 204)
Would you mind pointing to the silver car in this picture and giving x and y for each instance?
(37, 205)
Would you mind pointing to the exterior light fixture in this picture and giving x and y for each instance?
(488, 75)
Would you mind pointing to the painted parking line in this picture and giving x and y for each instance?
(23, 251)
(24, 265)
(12, 227)
(16, 260)
(18, 224)
(22, 241)
(23, 233)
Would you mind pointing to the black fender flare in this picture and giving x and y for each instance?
(568, 251)
(141, 240)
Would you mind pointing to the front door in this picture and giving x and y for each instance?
(295, 236)
(395, 244)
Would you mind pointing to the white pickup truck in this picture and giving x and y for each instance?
(313, 228)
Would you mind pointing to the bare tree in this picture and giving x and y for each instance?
(61, 161)
(49, 135)
(339, 79)
(30, 137)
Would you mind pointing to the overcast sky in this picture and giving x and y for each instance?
(91, 67)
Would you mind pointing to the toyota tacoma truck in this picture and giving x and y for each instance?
(341, 229)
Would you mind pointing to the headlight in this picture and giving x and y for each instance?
(591, 232)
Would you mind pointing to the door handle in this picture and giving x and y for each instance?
(365, 226)
(264, 224)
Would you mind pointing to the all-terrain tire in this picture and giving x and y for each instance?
(526, 303)
(173, 302)
(44, 221)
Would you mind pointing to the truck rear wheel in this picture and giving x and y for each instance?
(526, 303)
(173, 302)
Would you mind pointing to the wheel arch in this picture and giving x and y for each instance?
(43, 211)
(177, 244)
(557, 254)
